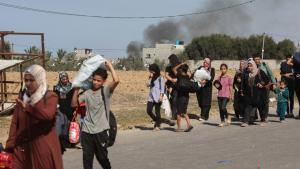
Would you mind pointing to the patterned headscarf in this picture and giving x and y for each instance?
(60, 86)
(255, 70)
(39, 74)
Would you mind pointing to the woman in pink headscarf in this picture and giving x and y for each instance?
(254, 91)
(204, 95)
(32, 138)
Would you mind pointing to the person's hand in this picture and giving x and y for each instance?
(108, 65)
(151, 75)
(259, 85)
(297, 75)
(174, 80)
(160, 98)
(230, 97)
(20, 103)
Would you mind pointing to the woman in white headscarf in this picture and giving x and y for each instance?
(254, 91)
(204, 95)
(32, 138)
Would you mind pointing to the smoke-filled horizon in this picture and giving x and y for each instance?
(238, 21)
(242, 21)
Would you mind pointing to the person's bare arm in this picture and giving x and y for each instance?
(176, 67)
(115, 77)
(74, 102)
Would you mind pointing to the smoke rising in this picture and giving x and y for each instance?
(237, 21)
(167, 30)
(135, 49)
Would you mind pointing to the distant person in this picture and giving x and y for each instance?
(287, 75)
(182, 72)
(33, 138)
(296, 67)
(171, 83)
(264, 112)
(204, 94)
(282, 94)
(94, 136)
(156, 83)
(64, 90)
(239, 101)
(224, 94)
(254, 92)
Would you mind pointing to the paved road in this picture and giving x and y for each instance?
(275, 146)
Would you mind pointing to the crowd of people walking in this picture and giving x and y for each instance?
(36, 141)
(249, 89)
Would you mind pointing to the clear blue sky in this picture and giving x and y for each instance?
(68, 32)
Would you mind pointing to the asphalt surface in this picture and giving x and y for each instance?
(274, 146)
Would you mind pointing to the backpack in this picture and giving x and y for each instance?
(61, 124)
(186, 85)
(112, 131)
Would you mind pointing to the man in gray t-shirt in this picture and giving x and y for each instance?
(95, 124)
(95, 120)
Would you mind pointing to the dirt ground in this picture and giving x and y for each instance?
(128, 102)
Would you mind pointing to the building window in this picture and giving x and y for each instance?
(148, 56)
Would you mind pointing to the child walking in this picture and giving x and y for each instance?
(95, 124)
(182, 73)
(282, 93)
(224, 94)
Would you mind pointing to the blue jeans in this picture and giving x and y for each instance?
(222, 101)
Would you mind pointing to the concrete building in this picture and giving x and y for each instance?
(82, 53)
(161, 52)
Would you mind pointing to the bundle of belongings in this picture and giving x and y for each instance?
(201, 74)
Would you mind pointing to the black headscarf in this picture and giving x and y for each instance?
(154, 68)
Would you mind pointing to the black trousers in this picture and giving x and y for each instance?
(291, 88)
(239, 105)
(205, 112)
(94, 144)
(297, 90)
(263, 109)
(222, 102)
(249, 116)
(173, 102)
(157, 117)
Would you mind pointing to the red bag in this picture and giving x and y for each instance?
(81, 109)
(74, 130)
(5, 160)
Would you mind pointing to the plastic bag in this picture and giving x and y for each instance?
(202, 74)
(6, 160)
(83, 78)
(166, 106)
(74, 132)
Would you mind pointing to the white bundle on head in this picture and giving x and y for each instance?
(86, 70)
(202, 74)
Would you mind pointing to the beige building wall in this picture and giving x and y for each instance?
(160, 52)
(232, 64)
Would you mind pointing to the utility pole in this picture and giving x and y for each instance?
(263, 46)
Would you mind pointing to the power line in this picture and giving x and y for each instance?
(122, 17)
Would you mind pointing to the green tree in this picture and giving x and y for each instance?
(284, 48)
(32, 50)
(60, 54)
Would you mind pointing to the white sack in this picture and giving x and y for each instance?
(82, 79)
(166, 106)
(201, 74)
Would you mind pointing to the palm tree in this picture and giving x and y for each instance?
(60, 54)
